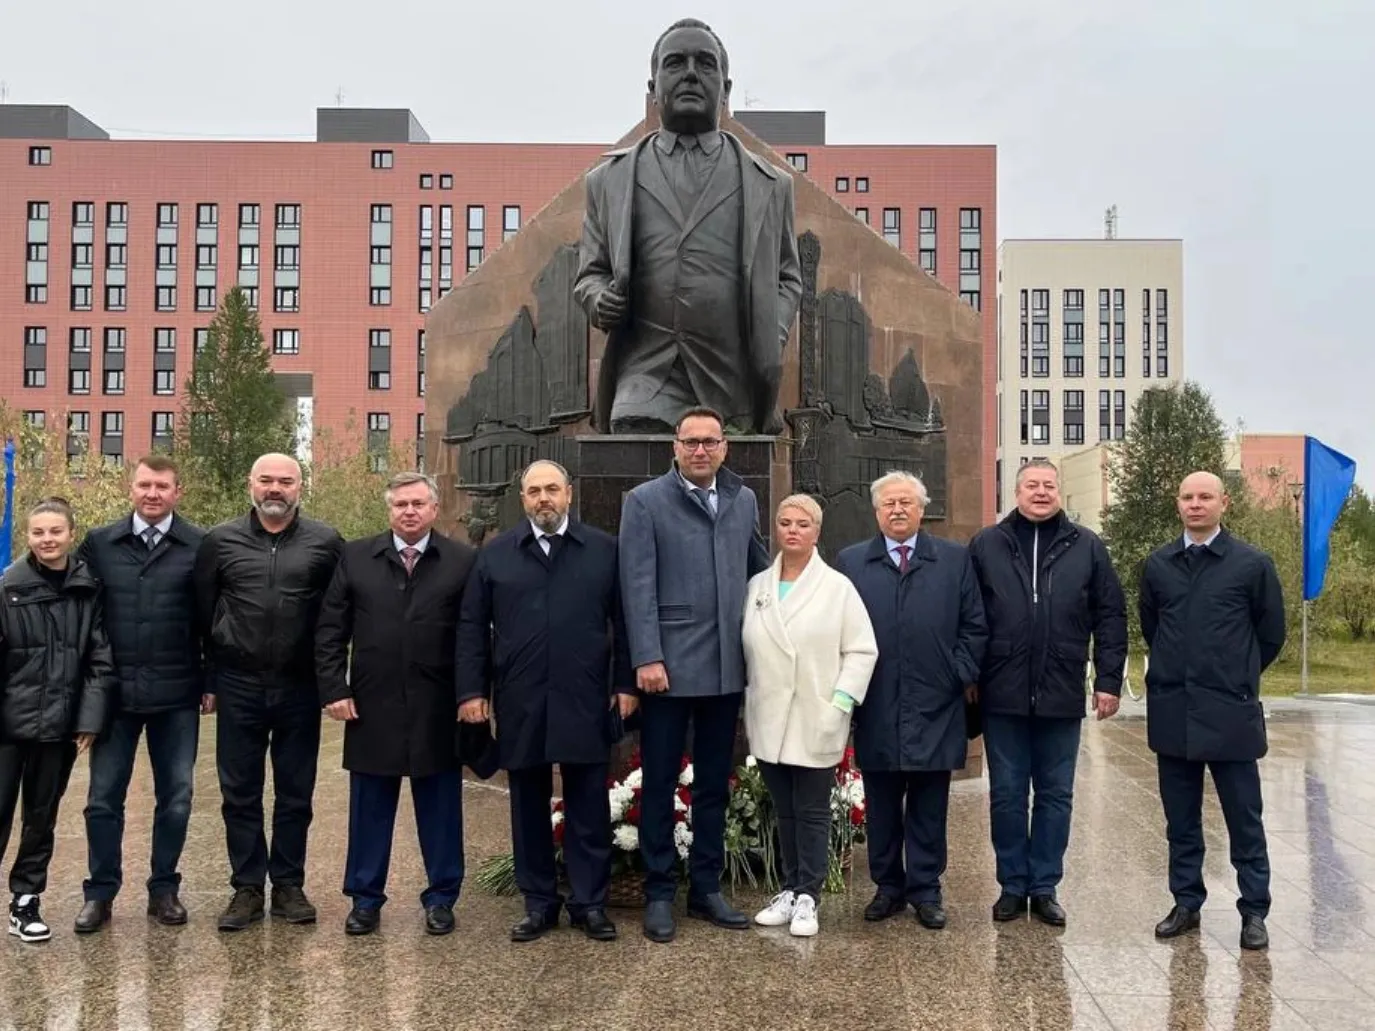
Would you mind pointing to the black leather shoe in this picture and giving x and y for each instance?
(244, 908)
(715, 909)
(439, 919)
(1253, 933)
(596, 925)
(1178, 922)
(167, 909)
(532, 926)
(882, 906)
(1045, 909)
(659, 923)
(93, 917)
(289, 903)
(931, 915)
(1009, 907)
(362, 920)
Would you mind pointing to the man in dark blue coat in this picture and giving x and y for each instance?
(1048, 587)
(923, 599)
(542, 640)
(145, 563)
(1212, 614)
(690, 542)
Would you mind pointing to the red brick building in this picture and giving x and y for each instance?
(115, 253)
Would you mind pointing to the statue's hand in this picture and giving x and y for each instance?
(611, 307)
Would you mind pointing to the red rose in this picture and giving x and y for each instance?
(733, 782)
(685, 796)
(632, 816)
(680, 817)
(857, 816)
(685, 764)
(558, 833)
(558, 805)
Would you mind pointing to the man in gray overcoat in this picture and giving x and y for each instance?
(689, 544)
(688, 258)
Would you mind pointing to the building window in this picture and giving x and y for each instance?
(420, 442)
(379, 359)
(862, 184)
(288, 257)
(1074, 350)
(167, 298)
(1040, 342)
(1074, 417)
(1026, 416)
(114, 381)
(200, 339)
(205, 298)
(36, 269)
(165, 341)
(207, 215)
(1104, 349)
(426, 181)
(207, 255)
(1119, 347)
(382, 159)
(78, 381)
(36, 293)
(862, 214)
(288, 216)
(1074, 300)
(167, 214)
(1162, 304)
(446, 181)
(286, 299)
(842, 184)
(420, 364)
(114, 340)
(1119, 414)
(40, 155)
(379, 440)
(116, 298)
(116, 213)
(798, 161)
(78, 432)
(248, 215)
(926, 240)
(286, 341)
(83, 213)
(81, 298)
(116, 255)
(164, 425)
(380, 296)
(477, 221)
(164, 382)
(80, 341)
(892, 226)
(510, 221)
(248, 256)
(1040, 417)
(1104, 415)
(35, 356)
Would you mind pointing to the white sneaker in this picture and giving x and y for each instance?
(778, 912)
(25, 922)
(804, 923)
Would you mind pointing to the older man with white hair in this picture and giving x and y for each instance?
(923, 600)
(260, 580)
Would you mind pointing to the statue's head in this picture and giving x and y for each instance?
(690, 77)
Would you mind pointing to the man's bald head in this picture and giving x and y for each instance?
(1202, 501)
(544, 467)
(275, 487)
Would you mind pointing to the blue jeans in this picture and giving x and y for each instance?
(173, 740)
(1027, 753)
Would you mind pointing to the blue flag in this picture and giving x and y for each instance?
(7, 524)
(1327, 479)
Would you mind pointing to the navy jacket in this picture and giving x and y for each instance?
(150, 613)
(1211, 631)
(544, 639)
(930, 627)
(1042, 615)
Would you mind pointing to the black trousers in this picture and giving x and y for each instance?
(39, 770)
(663, 738)
(1238, 790)
(907, 819)
(586, 837)
(259, 717)
(802, 798)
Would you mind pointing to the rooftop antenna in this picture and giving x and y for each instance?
(750, 99)
(339, 97)
(1110, 223)
(4, 92)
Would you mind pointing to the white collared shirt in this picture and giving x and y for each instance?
(162, 526)
(543, 538)
(1211, 537)
(689, 486)
(419, 545)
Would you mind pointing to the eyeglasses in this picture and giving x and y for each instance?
(707, 444)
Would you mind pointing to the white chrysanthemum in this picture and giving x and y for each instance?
(634, 779)
(620, 798)
(685, 778)
(556, 818)
(679, 805)
(854, 793)
(682, 838)
(751, 762)
(626, 838)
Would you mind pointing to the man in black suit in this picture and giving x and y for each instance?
(1212, 614)
(395, 597)
(542, 640)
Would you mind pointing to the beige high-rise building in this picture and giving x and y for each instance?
(1084, 326)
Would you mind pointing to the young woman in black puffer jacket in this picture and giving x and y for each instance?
(56, 676)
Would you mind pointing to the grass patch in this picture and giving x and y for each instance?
(1334, 667)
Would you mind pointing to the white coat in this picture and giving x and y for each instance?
(798, 653)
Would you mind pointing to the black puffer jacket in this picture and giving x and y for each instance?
(259, 595)
(56, 672)
(150, 613)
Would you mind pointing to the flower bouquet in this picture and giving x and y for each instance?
(751, 837)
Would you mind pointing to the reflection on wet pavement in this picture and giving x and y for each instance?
(1105, 970)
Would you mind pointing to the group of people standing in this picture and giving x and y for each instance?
(560, 637)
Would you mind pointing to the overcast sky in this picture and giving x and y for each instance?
(1237, 125)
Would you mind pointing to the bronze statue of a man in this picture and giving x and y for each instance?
(689, 258)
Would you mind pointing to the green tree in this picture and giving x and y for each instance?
(1277, 531)
(347, 477)
(234, 410)
(1173, 432)
(1357, 522)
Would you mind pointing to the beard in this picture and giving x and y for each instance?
(548, 519)
(275, 508)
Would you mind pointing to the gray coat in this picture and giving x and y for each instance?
(684, 578)
(772, 279)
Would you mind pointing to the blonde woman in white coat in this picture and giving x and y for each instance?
(809, 653)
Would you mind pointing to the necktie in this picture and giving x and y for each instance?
(903, 551)
(693, 165)
(150, 537)
(551, 543)
(1193, 554)
(409, 557)
(704, 499)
